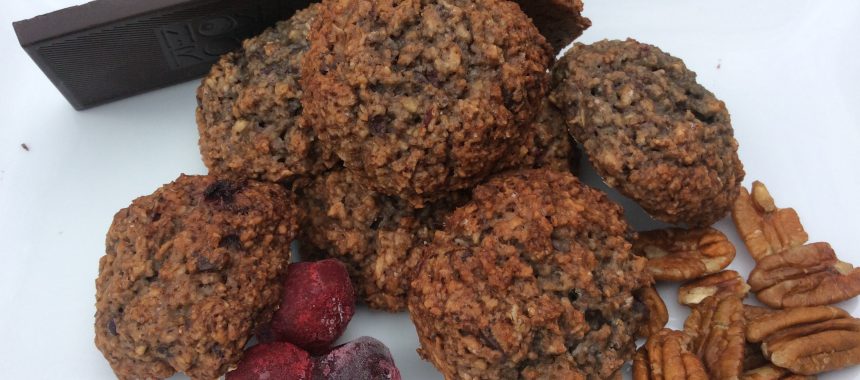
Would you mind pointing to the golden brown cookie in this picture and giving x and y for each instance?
(250, 113)
(188, 273)
(534, 278)
(423, 97)
(650, 129)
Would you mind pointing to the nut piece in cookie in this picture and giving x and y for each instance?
(676, 254)
(727, 283)
(666, 355)
(807, 275)
(189, 273)
(650, 129)
(658, 314)
(250, 115)
(532, 279)
(808, 340)
(560, 21)
(716, 326)
(423, 97)
(765, 228)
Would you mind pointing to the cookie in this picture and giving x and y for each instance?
(546, 144)
(378, 237)
(650, 129)
(534, 278)
(381, 237)
(188, 273)
(422, 97)
(250, 114)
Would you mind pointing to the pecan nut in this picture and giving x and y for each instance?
(666, 356)
(727, 283)
(716, 327)
(658, 314)
(756, 366)
(752, 312)
(676, 254)
(772, 372)
(764, 323)
(765, 228)
(808, 340)
(808, 275)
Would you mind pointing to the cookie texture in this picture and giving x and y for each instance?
(422, 97)
(250, 115)
(560, 21)
(379, 238)
(533, 279)
(188, 273)
(546, 144)
(650, 129)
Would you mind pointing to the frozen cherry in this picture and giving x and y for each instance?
(276, 360)
(317, 304)
(363, 358)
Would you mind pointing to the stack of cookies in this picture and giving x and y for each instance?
(431, 147)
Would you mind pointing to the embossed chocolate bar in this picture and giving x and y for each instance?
(111, 49)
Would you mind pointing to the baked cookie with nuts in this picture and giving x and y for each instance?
(188, 274)
(379, 238)
(650, 129)
(545, 144)
(250, 114)
(534, 278)
(423, 97)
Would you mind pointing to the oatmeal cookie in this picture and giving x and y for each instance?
(546, 144)
(422, 97)
(560, 21)
(250, 115)
(380, 238)
(189, 272)
(534, 278)
(650, 129)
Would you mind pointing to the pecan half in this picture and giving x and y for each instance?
(752, 312)
(772, 372)
(765, 323)
(658, 314)
(808, 340)
(807, 275)
(666, 356)
(765, 228)
(716, 326)
(676, 254)
(727, 283)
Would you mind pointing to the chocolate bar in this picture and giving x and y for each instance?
(107, 50)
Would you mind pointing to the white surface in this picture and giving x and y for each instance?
(788, 70)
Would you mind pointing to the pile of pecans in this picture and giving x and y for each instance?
(797, 336)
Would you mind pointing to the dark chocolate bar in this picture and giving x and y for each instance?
(111, 49)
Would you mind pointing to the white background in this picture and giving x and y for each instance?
(789, 72)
